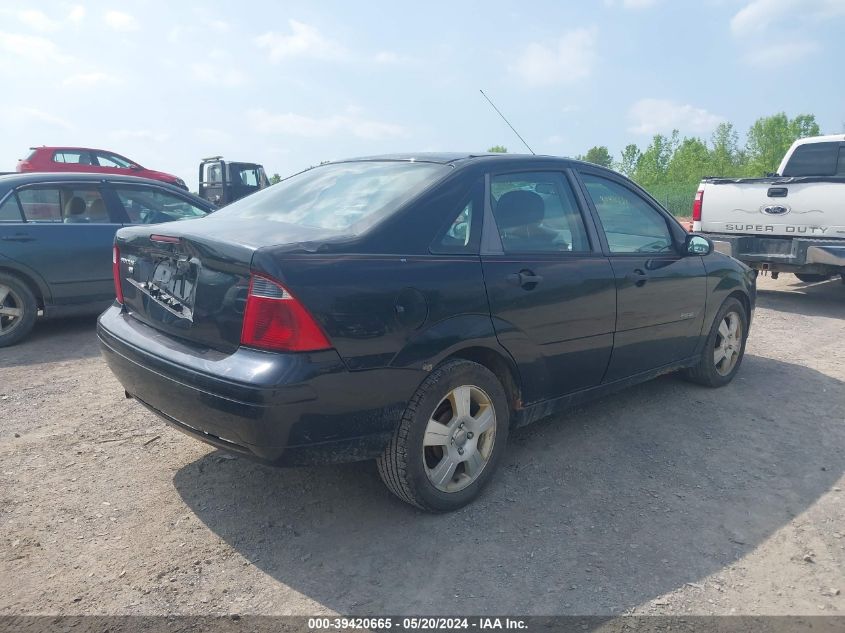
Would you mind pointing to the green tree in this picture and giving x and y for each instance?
(652, 165)
(726, 159)
(276, 178)
(770, 136)
(630, 157)
(689, 163)
(599, 155)
(498, 149)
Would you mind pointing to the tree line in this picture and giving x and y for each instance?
(670, 167)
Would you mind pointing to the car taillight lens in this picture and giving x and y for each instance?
(697, 203)
(115, 269)
(275, 320)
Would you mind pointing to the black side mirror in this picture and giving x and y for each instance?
(698, 245)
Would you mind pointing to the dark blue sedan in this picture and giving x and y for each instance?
(413, 309)
(56, 235)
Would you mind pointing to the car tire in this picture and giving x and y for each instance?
(711, 371)
(809, 278)
(18, 310)
(450, 438)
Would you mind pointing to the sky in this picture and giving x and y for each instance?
(290, 84)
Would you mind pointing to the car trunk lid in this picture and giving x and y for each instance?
(191, 279)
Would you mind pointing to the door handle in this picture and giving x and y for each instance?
(777, 192)
(524, 278)
(638, 277)
(18, 237)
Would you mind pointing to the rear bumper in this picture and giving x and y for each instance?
(275, 408)
(782, 253)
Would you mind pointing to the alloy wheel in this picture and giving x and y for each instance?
(459, 438)
(11, 309)
(728, 344)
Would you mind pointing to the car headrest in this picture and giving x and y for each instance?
(75, 206)
(518, 208)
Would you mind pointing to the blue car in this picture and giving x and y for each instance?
(56, 235)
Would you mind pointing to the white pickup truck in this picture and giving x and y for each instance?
(790, 222)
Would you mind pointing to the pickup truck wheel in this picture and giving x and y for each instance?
(808, 278)
(17, 310)
(449, 440)
(724, 347)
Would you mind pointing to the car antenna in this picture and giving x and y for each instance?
(506, 121)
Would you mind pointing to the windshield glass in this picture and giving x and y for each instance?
(349, 197)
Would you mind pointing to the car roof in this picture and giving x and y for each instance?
(73, 147)
(456, 158)
(35, 177)
(809, 140)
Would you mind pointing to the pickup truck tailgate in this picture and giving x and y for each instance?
(790, 207)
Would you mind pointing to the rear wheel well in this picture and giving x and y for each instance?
(501, 368)
(28, 282)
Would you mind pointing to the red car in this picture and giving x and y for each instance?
(85, 159)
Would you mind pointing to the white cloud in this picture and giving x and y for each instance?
(91, 79)
(140, 135)
(32, 47)
(316, 127)
(652, 116)
(38, 20)
(569, 59)
(779, 55)
(781, 32)
(758, 15)
(77, 14)
(303, 41)
(120, 21)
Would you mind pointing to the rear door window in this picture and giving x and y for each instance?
(66, 204)
(813, 159)
(10, 211)
(73, 157)
(537, 212)
(463, 230)
(150, 205)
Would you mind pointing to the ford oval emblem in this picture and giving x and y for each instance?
(775, 209)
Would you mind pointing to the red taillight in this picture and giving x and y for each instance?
(697, 203)
(275, 320)
(115, 270)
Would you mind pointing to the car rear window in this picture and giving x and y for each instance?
(348, 197)
(813, 159)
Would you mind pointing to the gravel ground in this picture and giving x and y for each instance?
(667, 498)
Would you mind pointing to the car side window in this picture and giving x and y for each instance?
(110, 160)
(149, 205)
(536, 213)
(457, 236)
(10, 210)
(630, 224)
(67, 204)
(73, 157)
